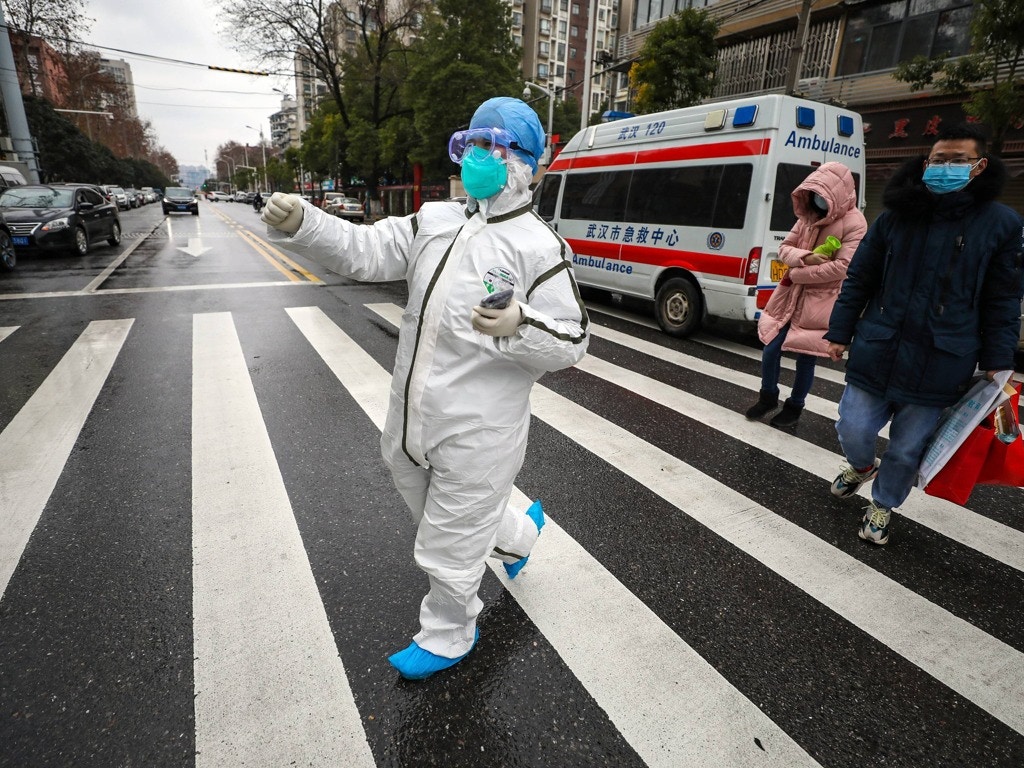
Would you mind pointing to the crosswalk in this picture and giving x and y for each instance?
(272, 683)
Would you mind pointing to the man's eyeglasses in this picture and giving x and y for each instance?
(957, 162)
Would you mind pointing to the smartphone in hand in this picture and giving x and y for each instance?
(497, 300)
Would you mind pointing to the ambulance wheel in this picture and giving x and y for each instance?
(678, 307)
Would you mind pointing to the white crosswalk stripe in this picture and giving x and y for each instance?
(270, 685)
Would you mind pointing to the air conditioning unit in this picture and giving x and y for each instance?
(812, 87)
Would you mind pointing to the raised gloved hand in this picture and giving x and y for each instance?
(829, 247)
(498, 322)
(283, 212)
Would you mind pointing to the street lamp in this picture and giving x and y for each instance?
(551, 113)
(231, 168)
(263, 146)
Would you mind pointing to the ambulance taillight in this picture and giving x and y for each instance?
(753, 267)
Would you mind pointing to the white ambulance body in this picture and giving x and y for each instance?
(688, 207)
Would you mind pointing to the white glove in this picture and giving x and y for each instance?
(283, 212)
(498, 322)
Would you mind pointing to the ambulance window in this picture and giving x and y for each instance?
(596, 196)
(546, 197)
(693, 196)
(733, 193)
(787, 178)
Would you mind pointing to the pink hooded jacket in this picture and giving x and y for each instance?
(807, 303)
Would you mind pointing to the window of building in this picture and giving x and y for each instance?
(517, 19)
(562, 26)
(545, 26)
(575, 31)
(572, 53)
(544, 48)
(561, 51)
(560, 70)
(542, 71)
(882, 36)
(545, 6)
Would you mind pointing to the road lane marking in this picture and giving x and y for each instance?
(270, 253)
(815, 404)
(270, 687)
(35, 445)
(670, 705)
(273, 255)
(102, 276)
(149, 289)
(981, 668)
(980, 533)
(7, 331)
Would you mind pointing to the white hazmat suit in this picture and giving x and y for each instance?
(459, 411)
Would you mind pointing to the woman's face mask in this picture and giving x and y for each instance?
(819, 203)
(483, 173)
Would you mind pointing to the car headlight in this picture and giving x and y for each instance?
(56, 224)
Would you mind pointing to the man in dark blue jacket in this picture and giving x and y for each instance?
(932, 293)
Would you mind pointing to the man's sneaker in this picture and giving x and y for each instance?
(850, 480)
(875, 527)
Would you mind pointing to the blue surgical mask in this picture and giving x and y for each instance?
(942, 179)
(483, 173)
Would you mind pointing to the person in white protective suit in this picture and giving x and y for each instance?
(459, 412)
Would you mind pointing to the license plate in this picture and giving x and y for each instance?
(182, 207)
(778, 270)
(19, 240)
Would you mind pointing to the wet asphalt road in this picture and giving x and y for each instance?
(687, 551)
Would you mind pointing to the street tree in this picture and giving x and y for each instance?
(318, 33)
(677, 63)
(990, 77)
(464, 55)
(60, 22)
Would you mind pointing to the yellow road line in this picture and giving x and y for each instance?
(271, 254)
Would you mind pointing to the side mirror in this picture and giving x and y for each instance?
(85, 206)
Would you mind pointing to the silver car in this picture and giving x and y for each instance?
(346, 208)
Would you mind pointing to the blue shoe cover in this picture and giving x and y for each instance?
(535, 513)
(513, 569)
(414, 663)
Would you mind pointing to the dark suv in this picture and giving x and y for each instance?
(180, 200)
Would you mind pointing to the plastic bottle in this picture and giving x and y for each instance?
(1005, 418)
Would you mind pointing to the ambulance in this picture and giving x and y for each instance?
(688, 207)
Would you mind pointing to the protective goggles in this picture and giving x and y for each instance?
(485, 138)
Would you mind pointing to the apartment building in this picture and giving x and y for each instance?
(284, 125)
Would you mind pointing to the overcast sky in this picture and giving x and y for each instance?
(193, 110)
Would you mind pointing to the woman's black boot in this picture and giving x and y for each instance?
(788, 416)
(768, 401)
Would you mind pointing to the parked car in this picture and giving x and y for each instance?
(222, 197)
(66, 217)
(134, 198)
(180, 200)
(117, 196)
(346, 208)
(8, 256)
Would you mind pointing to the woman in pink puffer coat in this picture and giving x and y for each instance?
(796, 317)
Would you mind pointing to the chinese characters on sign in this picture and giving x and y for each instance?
(638, 235)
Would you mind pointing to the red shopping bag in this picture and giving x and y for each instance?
(982, 459)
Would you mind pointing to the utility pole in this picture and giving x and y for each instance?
(588, 65)
(796, 54)
(14, 107)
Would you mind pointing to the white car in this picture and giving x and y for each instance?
(220, 197)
